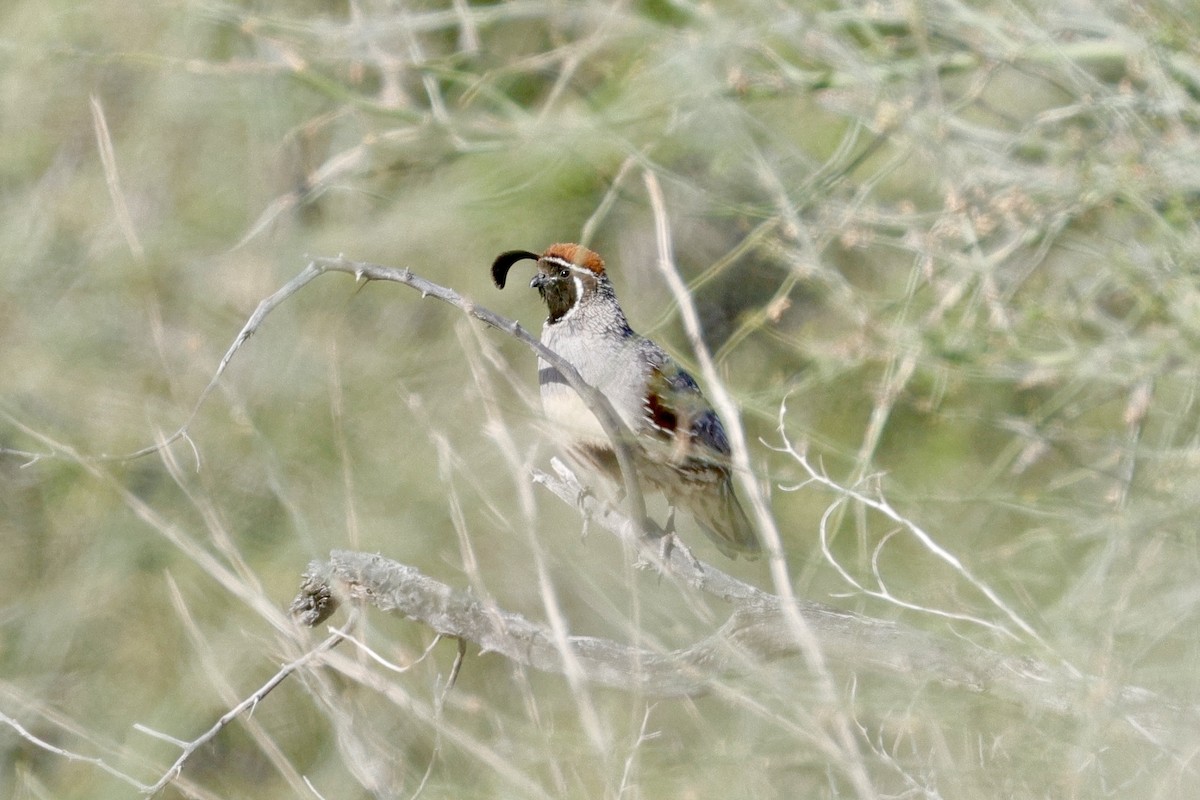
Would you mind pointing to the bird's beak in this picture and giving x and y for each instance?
(539, 280)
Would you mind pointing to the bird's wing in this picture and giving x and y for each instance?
(677, 410)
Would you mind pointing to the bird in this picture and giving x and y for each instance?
(679, 444)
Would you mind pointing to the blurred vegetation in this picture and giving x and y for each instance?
(958, 238)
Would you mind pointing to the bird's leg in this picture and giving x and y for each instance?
(669, 539)
(582, 492)
(581, 499)
(664, 538)
(612, 501)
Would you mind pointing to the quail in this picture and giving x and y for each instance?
(680, 447)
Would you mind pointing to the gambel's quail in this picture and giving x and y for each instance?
(680, 447)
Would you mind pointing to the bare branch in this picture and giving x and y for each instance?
(882, 506)
(248, 704)
(758, 631)
(390, 586)
(108, 159)
(607, 416)
(67, 754)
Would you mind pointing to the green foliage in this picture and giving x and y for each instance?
(958, 239)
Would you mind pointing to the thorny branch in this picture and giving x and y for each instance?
(617, 431)
(187, 748)
(607, 416)
(248, 704)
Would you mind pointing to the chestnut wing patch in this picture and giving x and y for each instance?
(677, 410)
(662, 415)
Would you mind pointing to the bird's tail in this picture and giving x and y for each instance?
(723, 520)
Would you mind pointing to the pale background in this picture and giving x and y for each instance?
(958, 238)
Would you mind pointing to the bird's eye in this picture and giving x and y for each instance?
(564, 272)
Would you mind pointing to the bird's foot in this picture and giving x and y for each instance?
(667, 542)
(671, 542)
(655, 550)
(581, 505)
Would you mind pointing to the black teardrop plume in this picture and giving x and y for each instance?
(504, 262)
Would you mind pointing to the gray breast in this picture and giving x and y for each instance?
(608, 362)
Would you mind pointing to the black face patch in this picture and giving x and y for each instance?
(562, 285)
(560, 293)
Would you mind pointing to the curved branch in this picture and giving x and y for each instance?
(607, 416)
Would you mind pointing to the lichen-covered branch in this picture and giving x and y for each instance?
(755, 632)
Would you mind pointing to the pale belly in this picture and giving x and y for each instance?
(566, 412)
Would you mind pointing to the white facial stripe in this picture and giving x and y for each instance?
(562, 262)
(578, 297)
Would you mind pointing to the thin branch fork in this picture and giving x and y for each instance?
(248, 704)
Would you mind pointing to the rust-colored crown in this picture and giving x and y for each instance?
(577, 255)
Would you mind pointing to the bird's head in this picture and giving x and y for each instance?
(568, 274)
